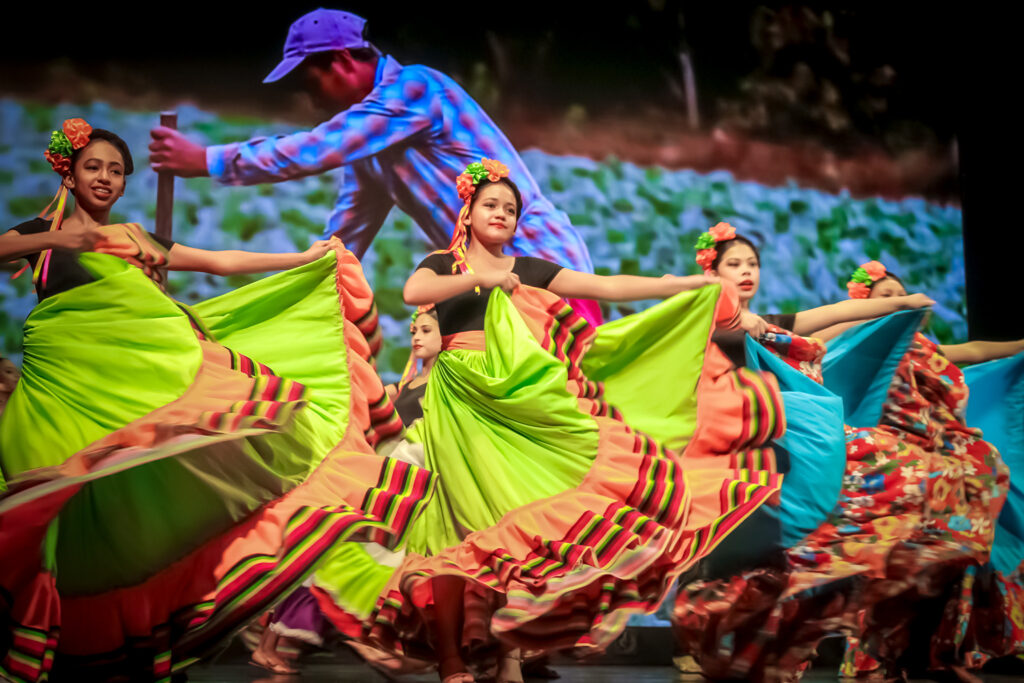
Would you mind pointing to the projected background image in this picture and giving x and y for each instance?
(818, 133)
(635, 219)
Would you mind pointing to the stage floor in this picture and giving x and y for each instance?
(360, 673)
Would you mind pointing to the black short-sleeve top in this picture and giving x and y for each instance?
(65, 272)
(408, 403)
(465, 312)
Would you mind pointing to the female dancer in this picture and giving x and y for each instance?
(557, 518)
(162, 489)
(426, 345)
(980, 613)
(872, 280)
(784, 614)
(735, 259)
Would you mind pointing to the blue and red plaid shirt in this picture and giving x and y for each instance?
(404, 145)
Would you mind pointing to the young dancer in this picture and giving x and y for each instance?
(171, 472)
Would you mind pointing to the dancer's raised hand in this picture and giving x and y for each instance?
(752, 324)
(507, 280)
(316, 250)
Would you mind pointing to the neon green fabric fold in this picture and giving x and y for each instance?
(96, 358)
(103, 355)
(502, 431)
(291, 322)
(650, 364)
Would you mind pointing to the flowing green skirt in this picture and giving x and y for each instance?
(163, 488)
(561, 517)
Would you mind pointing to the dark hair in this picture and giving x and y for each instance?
(114, 139)
(725, 246)
(512, 186)
(888, 276)
(322, 60)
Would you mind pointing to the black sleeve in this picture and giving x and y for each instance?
(439, 263)
(784, 320)
(162, 241)
(733, 344)
(536, 272)
(32, 227)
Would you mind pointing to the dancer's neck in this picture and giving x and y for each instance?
(489, 254)
(80, 218)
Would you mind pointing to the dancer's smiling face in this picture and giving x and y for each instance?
(493, 214)
(426, 337)
(740, 266)
(886, 287)
(97, 176)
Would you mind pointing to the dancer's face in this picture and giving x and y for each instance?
(887, 287)
(426, 337)
(739, 266)
(97, 177)
(492, 218)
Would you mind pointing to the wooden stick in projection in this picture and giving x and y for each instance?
(165, 185)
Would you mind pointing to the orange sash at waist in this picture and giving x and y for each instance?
(472, 340)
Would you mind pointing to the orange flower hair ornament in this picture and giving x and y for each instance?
(466, 183)
(707, 244)
(74, 135)
(866, 275)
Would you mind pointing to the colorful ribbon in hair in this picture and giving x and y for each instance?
(74, 135)
(866, 275)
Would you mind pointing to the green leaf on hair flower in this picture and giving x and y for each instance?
(860, 275)
(477, 170)
(59, 144)
(706, 241)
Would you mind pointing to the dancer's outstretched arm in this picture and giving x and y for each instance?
(981, 351)
(234, 262)
(816, 320)
(969, 352)
(572, 284)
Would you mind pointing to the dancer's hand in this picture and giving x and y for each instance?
(917, 301)
(508, 281)
(85, 239)
(172, 152)
(754, 325)
(316, 250)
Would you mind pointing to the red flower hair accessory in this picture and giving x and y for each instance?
(859, 286)
(74, 134)
(77, 131)
(476, 173)
(707, 243)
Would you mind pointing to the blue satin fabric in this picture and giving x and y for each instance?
(814, 442)
(996, 406)
(861, 362)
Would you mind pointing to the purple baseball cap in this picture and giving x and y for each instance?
(319, 31)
